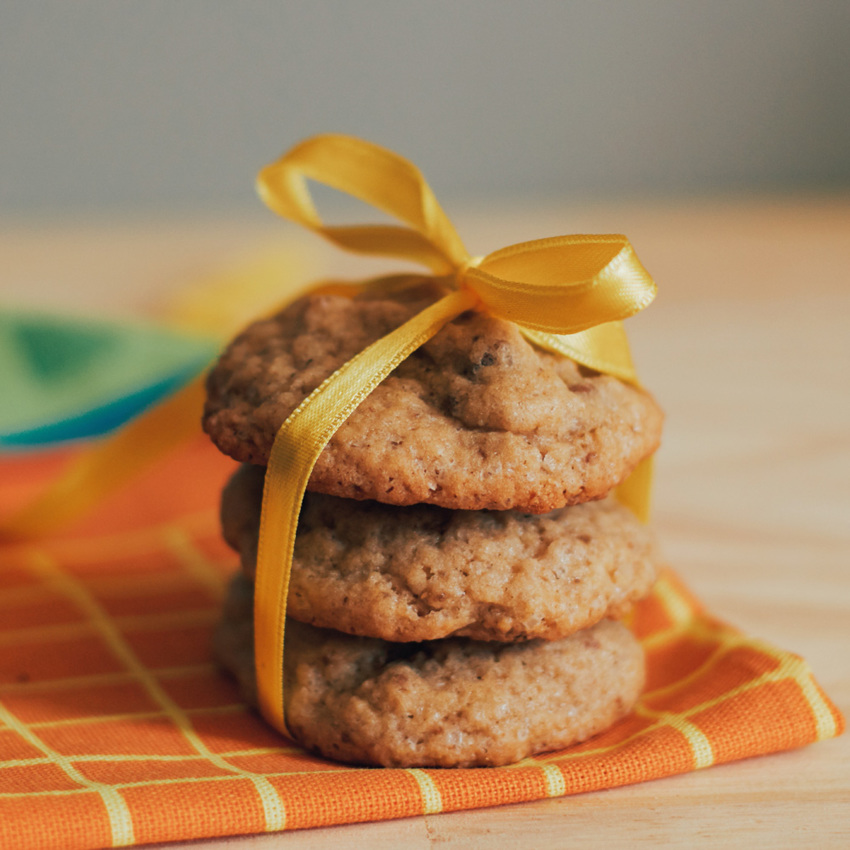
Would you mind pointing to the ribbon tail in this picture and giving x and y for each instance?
(604, 348)
(297, 446)
(636, 491)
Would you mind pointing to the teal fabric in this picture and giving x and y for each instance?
(64, 378)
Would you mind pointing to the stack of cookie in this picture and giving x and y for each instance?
(458, 570)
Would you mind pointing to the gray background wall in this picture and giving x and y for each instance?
(173, 104)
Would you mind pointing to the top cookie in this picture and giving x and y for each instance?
(476, 418)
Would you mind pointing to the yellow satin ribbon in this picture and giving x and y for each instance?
(568, 294)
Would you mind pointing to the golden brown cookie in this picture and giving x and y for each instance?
(476, 418)
(423, 572)
(449, 703)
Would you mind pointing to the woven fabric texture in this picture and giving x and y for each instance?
(116, 728)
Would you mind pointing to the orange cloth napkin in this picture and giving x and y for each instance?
(116, 728)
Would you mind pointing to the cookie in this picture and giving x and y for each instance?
(448, 703)
(423, 572)
(476, 418)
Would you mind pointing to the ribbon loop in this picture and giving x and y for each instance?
(565, 284)
(376, 176)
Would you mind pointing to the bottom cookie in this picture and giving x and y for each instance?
(445, 703)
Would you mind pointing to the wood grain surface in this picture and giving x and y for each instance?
(748, 350)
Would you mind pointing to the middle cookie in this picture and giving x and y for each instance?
(423, 573)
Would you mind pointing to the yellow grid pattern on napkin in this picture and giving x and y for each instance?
(117, 729)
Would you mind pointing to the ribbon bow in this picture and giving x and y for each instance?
(567, 294)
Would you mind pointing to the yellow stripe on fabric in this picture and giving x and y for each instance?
(96, 679)
(825, 723)
(193, 561)
(40, 563)
(120, 818)
(553, 776)
(112, 583)
(156, 783)
(133, 716)
(297, 446)
(797, 669)
(557, 758)
(136, 623)
(100, 548)
(790, 668)
(725, 639)
(699, 743)
(708, 632)
(678, 608)
(781, 674)
(432, 800)
(124, 757)
(660, 723)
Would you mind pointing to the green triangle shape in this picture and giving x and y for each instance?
(56, 352)
(56, 367)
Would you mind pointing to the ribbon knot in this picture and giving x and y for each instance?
(459, 280)
(567, 294)
(463, 269)
(561, 285)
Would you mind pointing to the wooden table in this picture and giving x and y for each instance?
(748, 349)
